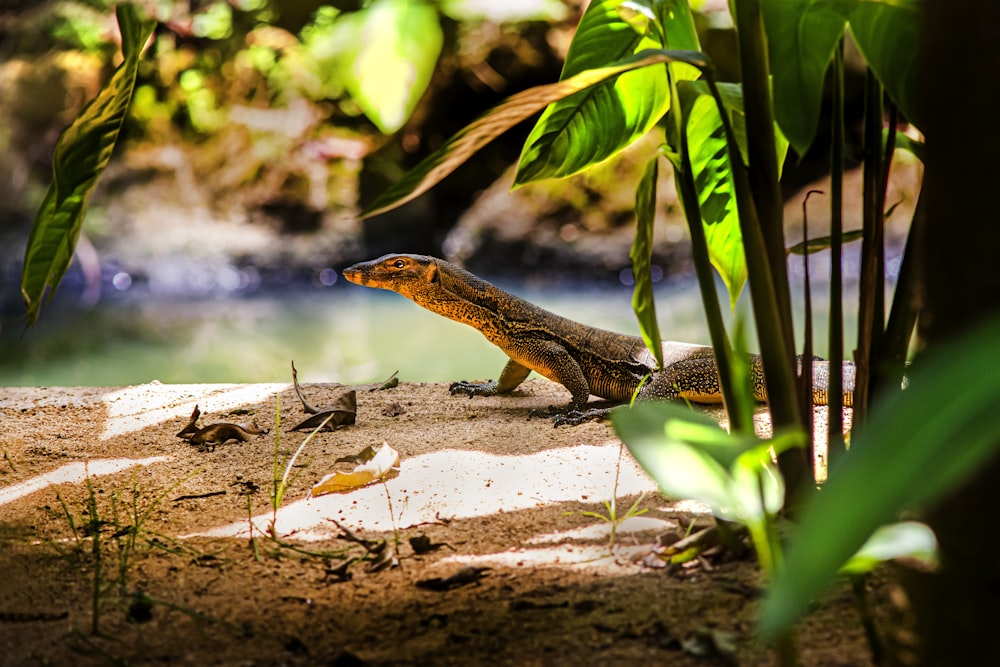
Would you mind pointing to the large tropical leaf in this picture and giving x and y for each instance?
(709, 159)
(396, 44)
(802, 36)
(467, 141)
(584, 129)
(641, 255)
(680, 470)
(918, 444)
(712, 172)
(887, 34)
(81, 154)
(690, 457)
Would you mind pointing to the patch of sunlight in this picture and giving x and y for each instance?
(135, 408)
(688, 507)
(458, 484)
(587, 556)
(73, 473)
(602, 530)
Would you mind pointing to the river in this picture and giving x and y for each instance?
(343, 333)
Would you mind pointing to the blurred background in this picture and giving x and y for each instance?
(212, 247)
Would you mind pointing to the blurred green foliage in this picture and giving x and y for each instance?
(303, 91)
(352, 59)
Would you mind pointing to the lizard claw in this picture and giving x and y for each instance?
(576, 417)
(470, 389)
(549, 412)
(570, 418)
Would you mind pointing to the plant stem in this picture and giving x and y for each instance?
(871, 307)
(806, 372)
(835, 419)
(761, 223)
(777, 353)
(903, 312)
(740, 416)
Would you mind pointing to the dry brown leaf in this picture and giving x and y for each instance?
(216, 434)
(468, 574)
(393, 410)
(343, 412)
(384, 465)
(192, 426)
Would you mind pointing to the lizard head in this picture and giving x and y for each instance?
(409, 275)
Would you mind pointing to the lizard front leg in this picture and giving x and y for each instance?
(547, 358)
(512, 375)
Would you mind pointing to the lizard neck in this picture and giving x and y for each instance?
(467, 298)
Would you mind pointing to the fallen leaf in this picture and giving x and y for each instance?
(383, 466)
(192, 425)
(343, 412)
(465, 576)
(349, 535)
(384, 558)
(364, 456)
(342, 572)
(216, 434)
(421, 544)
(390, 382)
(223, 432)
(333, 417)
(305, 404)
(382, 553)
(393, 410)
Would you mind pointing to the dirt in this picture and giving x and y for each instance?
(184, 571)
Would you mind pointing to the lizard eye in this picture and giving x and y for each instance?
(399, 264)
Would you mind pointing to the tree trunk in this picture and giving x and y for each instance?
(957, 610)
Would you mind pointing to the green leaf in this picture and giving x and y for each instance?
(467, 141)
(591, 126)
(81, 154)
(680, 470)
(887, 34)
(712, 171)
(822, 243)
(918, 444)
(758, 487)
(906, 539)
(643, 302)
(802, 36)
(905, 143)
(709, 158)
(396, 46)
(690, 456)
(670, 23)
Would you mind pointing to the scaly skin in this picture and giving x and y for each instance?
(584, 359)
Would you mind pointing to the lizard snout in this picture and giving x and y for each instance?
(354, 274)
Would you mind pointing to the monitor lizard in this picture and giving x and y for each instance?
(586, 360)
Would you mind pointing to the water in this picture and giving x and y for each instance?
(342, 334)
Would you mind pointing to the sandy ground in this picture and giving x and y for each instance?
(184, 571)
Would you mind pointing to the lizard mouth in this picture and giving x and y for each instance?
(354, 274)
